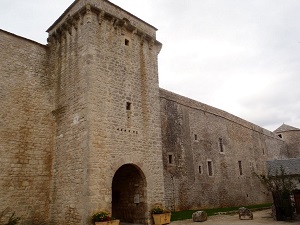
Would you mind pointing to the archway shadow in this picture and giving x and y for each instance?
(129, 195)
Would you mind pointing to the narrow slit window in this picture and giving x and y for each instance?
(221, 144)
(196, 137)
(126, 42)
(209, 167)
(170, 159)
(128, 105)
(240, 167)
(200, 169)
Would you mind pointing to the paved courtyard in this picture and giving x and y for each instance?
(259, 217)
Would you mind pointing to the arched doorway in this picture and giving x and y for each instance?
(129, 194)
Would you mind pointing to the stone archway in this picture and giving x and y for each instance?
(129, 194)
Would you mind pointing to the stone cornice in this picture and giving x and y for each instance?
(72, 21)
(76, 1)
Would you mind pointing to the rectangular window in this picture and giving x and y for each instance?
(240, 167)
(170, 159)
(196, 137)
(209, 167)
(128, 105)
(200, 169)
(221, 145)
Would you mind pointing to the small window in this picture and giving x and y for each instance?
(240, 167)
(209, 167)
(196, 137)
(279, 135)
(170, 159)
(200, 169)
(128, 105)
(126, 42)
(221, 144)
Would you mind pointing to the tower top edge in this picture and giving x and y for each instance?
(106, 6)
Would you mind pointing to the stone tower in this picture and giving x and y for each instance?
(291, 136)
(108, 153)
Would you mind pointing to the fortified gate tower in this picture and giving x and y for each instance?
(108, 153)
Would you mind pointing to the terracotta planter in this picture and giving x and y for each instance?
(112, 222)
(163, 218)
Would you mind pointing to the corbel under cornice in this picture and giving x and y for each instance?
(72, 21)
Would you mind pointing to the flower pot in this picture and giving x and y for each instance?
(112, 222)
(163, 218)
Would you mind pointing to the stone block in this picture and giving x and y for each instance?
(245, 214)
(199, 216)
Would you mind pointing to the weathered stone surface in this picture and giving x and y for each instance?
(245, 214)
(26, 127)
(199, 216)
(193, 134)
(83, 118)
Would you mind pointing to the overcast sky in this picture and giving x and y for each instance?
(241, 56)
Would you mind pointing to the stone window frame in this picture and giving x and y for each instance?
(196, 138)
(128, 105)
(240, 165)
(221, 145)
(171, 159)
(200, 169)
(126, 41)
(210, 170)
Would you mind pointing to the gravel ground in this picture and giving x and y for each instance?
(259, 217)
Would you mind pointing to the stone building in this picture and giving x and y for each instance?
(291, 136)
(211, 156)
(85, 127)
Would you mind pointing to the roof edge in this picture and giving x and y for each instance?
(75, 2)
(24, 38)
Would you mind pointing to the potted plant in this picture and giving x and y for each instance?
(103, 218)
(160, 215)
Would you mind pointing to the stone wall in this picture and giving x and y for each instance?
(292, 138)
(68, 63)
(26, 128)
(124, 113)
(210, 155)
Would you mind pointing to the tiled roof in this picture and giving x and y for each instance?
(290, 166)
(285, 127)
